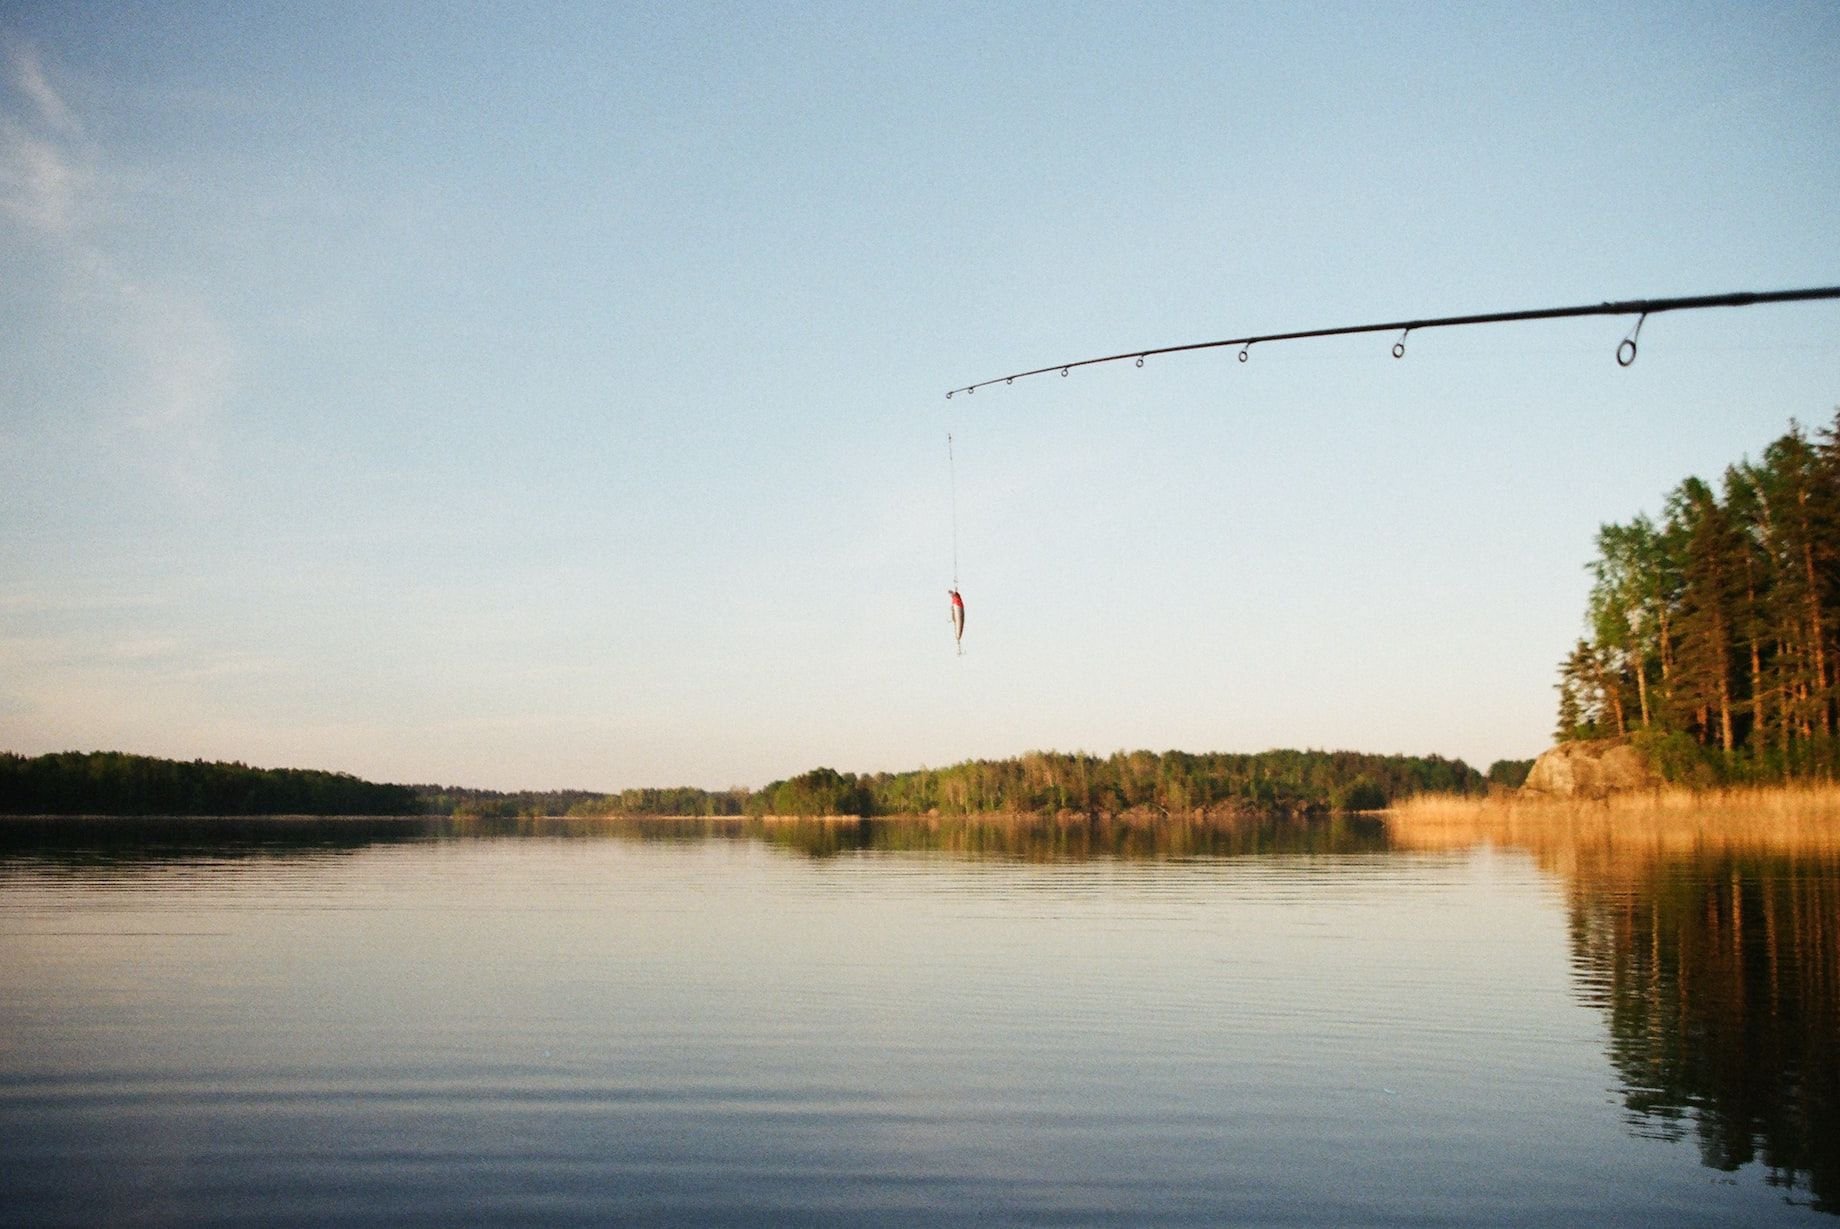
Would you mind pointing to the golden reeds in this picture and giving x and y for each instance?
(1786, 818)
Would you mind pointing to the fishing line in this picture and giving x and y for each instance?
(1625, 351)
(952, 473)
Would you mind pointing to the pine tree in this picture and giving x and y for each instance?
(1722, 622)
(1580, 694)
(1714, 575)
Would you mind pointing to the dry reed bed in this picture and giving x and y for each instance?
(1792, 818)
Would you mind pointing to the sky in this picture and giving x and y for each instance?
(552, 395)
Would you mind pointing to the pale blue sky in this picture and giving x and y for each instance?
(554, 395)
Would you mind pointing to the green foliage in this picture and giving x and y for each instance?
(1510, 773)
(1681, 758)
(1582, 688)
(1715, 635)
(822, 791)
(1361, 794)
(112, 783)
(1038, 783)
(1171, 783)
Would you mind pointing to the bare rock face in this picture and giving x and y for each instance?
(1590, 770)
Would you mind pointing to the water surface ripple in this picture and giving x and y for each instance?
(581, 1024)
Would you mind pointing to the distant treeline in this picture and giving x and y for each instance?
(1171, 783)
(1174, 782)
(112, 783)
(485, 803)
(1715, 633)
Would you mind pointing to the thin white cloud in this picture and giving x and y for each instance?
(27, 76)
(38, 181)
(40, 166)
(176, 358)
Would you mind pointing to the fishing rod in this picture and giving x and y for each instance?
(1625, 351)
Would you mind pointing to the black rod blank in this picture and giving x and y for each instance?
(1626, 352)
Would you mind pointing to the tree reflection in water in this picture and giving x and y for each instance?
(1068, 837)
(1712, 942)
(1078, 838)
(1721, 974)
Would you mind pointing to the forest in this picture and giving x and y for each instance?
(1714, 631)
(112, 783)
(1171, 783)
(675, 801)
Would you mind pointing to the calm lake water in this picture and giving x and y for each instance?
(358, 1022)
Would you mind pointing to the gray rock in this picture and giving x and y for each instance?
(1593, 769)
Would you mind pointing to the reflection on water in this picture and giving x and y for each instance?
(62, 840)
(1059, 1020)
(1721, 975)
(1082, 838)
(1712, 943)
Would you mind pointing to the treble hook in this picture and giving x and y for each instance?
(1626, 350)
(1399, 347)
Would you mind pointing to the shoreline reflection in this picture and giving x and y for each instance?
(1711, 941)
(1039, 839)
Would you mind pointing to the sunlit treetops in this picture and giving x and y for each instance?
(1173, 782)
(1714, 633)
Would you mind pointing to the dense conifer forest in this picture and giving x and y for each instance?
(1714, 632)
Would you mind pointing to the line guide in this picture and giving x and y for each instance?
(1625, 351)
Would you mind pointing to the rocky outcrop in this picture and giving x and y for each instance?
(1590, 770)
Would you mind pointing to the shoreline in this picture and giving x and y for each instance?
(1814, 801)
